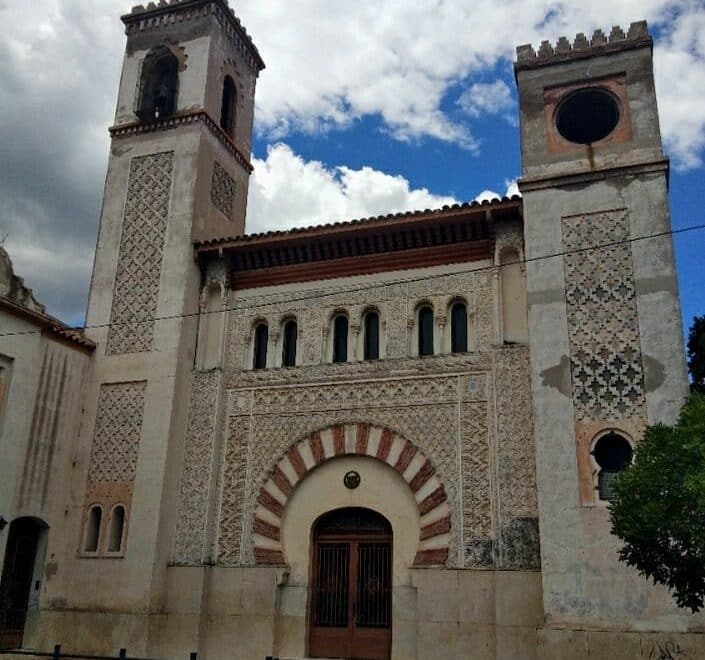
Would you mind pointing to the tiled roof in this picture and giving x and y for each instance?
(332, 227)
(48, 323)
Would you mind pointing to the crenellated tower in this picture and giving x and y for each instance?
(178, 172)
(604, 317)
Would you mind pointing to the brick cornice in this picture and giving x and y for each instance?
(183, 119)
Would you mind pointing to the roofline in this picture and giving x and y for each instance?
(378, 222)
(49, 324)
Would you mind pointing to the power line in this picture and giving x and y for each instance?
(366, 287)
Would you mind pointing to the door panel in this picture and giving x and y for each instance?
(351, 590)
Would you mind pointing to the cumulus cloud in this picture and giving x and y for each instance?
(329, 64)
(287, 191)
(493, 98)
(400, 61)
(511, 186)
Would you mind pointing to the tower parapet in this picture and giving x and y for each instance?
(164, 14)
(637, 36)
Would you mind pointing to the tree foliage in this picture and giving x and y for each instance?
(696, 354)
(659, 506)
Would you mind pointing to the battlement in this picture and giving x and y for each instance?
(637, 36)
(167, 12)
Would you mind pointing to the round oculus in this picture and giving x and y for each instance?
(351, 479)
(587, 115)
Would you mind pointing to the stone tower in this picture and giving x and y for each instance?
(604, 318)
(178, 172)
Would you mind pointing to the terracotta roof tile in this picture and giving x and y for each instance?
(380, 219)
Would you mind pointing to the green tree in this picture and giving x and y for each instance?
(696, 354)
(659, 506)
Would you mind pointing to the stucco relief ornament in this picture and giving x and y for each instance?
(351, 479)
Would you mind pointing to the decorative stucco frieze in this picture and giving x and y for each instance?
(222, 190)
(197, 474)
(136, 289)
(605, 354)
(517, 545)
(116, 437)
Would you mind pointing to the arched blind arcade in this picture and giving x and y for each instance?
(371, 339)
(117, 527)
(425, 331)
(340, 339)
(95, 516)
(458, 328)
(289, 344)
(259, 358)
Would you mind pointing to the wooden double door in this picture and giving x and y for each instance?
(351, 603)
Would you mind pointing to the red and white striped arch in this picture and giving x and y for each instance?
(354, 440)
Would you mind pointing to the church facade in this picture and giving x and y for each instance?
(391, 437)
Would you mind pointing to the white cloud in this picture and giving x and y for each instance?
(329, 64)
(512, 188)
(287, 191)
(335, 62)
(493, 98)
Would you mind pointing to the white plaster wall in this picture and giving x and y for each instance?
(583, 581)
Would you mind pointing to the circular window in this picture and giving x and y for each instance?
(587, 115)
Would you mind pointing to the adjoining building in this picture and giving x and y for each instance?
(392, 437)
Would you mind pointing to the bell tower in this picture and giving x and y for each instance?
(604, 314)
(177, 173)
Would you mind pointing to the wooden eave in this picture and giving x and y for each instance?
(397, 242)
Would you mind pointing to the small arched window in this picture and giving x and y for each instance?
(371, 339)
(228, 105)
(340, 338)
(159, 84)
(259, 356)
(117, 527)
(459, 328)
(425, 330)
(612, 453)
(289, 344)
(95, 516)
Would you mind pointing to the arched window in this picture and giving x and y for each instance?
(425, 323)
(371, 339)
(227, 108)
(612, 453)
(259, 354)
(95, 516)
(159, 84)
(289, 344)
(340, 338)
(117, 527)
(459, 328)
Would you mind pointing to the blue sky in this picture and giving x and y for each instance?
(364, 108)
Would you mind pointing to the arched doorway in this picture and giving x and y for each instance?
(16, 583)
(351, 599)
